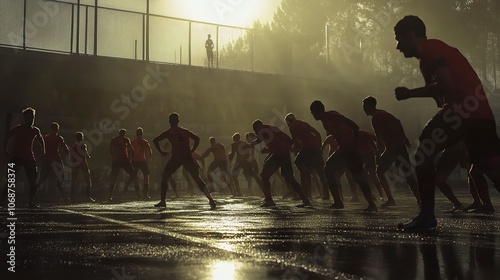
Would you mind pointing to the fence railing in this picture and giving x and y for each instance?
(85, 28)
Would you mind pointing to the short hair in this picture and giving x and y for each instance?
(236, 136)
(290, 117)
(122, 132)
(317, 106)
(79, 136)
(411, 23)
(28, 112)
(211, 139)
(173, 118)
(370, 100)
(139, 131)
(54, 126)
(256, 124)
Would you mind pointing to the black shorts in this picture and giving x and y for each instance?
(246, 166)
(312, 158)
(29, 167)
(141, 165)
(52, 166)
(446, 128)
(222, 165)
(400, 158)
(187, 162)
(116, 166)
(340, 161)
(369, 162)
(274, 162)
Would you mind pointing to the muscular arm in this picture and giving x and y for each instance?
(206, 153)
(129, 146)
(41, 141)
(196, 142)
(65, 147)
(232, 153)
(149, 152)
(157, 141)
(353, 126)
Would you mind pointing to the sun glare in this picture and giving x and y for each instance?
(224, 270)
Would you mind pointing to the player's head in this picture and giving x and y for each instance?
(29, 116)
(139, 132)
(54, 127)
(369, 105)
(289, 118)
(79, 136)
(212, 140)
(256, 124)
(250, 136)
(317, 109)
(236, 137)
(173, 119)
(122, 132)
(408, 30)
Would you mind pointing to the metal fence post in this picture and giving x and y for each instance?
(78, 27)
(24, 25)
(190, 43)
(96, 5)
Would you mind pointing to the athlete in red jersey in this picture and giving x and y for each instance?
(244, 156)
(307, 140)
(181, 156)
(52, 162)
(346, 132)
(119, 148)
(278, 146)
(22, 153)
(390, 134)
(220, 161)
(78, 162)
(465, 114)
(142, 154)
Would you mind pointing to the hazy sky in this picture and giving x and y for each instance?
(228, 12)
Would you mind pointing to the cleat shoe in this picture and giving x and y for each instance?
(419, 223)
(337, 205)
(484, 209)
(212, 205)
(370, 209)
(388, 203)
(475, 205)
(161, 204)
(268, 204)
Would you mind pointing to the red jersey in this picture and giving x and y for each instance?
(79, 154)
(179, 140)
(366, 143)
(52, 143)
(119, 149)
(434, 54)
(389, 129)
(304, 133)
(276, 140)
(141, 146)
(334, 124)
(218, 151)
(23, 144)
(243, 151)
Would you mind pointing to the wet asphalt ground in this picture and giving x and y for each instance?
(239, 240)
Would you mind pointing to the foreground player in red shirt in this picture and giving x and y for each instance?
(119, 147)
(52, 162)
(346, 132)
(79, 156)
(182, 155)
(310, 157)
(465, 114)
(278, 146)
(22, 153)
(392, 146)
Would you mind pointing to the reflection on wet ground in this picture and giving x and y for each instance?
(239, 240)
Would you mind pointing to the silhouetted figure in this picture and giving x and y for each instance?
(209, 46)
(244, 155)
(52, 162)
(79, 156)
(142, 154)
(119, 147)
(367, 150)
(278, 146)
(307, 141)
(182, 155)
(465, 114)
(201, 167)
(391, 136)
(346, 132)
(22, 153)
(221, 162)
